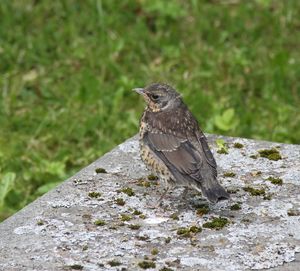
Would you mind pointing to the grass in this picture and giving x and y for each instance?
(68, 67)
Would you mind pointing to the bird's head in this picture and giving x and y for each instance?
(159, 97)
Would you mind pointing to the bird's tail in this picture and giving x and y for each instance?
(213, 191)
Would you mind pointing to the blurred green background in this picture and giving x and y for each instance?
(67, 69)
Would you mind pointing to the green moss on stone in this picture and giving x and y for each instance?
(174, 216)
(222, 151)
(134, 226)
(94, 194)
(238, 145)
(255, 191)
(120, 201)
(188, 231)
(100, 170)
(222, 146)
(128, 191)
(75, 267)
(166, 269)
(152, 177)
(114, 263)
(246, 220)
(154, 251)
(137, 212)
(276, 181)
(217, 223)
(202, 210)
(235, 207)
(99, 222)
(271, 154)
(125, 217)
(232, 190)
(195, 229)
(267, 197)
(229, 174)
(40, 223)
(144, 183)
(147, 264)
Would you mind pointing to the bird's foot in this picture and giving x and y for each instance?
(158, 203)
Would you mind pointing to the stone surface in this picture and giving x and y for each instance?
(59, 232)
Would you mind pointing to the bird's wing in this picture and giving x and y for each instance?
(207, 152)
(178, 153)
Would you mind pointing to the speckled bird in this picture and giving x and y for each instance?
(172, 145)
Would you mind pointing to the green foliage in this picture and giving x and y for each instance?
(222, 146)
(6, 184)
(68, 67)
(227, 120)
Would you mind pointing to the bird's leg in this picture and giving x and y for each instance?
(184, 193)
(157, 204)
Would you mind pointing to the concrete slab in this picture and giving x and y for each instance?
(103, 221)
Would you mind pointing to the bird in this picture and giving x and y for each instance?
(173, 146)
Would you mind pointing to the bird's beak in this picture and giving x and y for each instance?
(139, 90)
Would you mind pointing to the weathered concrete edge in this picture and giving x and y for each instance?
(34, 208)
(22, 214)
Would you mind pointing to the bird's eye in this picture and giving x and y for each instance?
(154, 97)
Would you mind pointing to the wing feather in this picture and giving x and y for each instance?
(179, 155)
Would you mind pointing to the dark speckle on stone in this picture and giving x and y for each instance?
(143, 237)
(229, 174)
(152, 177)
(222, 151)
(85, 247)
(100, 170)
(134, 226)
(147, 264)
(293, 212)
(40, 222)
(174, 216)
(120, 201)
(94, 194)
(245, 220)
(238, 145)
(86, 216)
(166, 269)
(75, 267)
(235, 207)
(114, 263)
(232, 190)
(168, 240)
(267, 197)
(256, 173)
